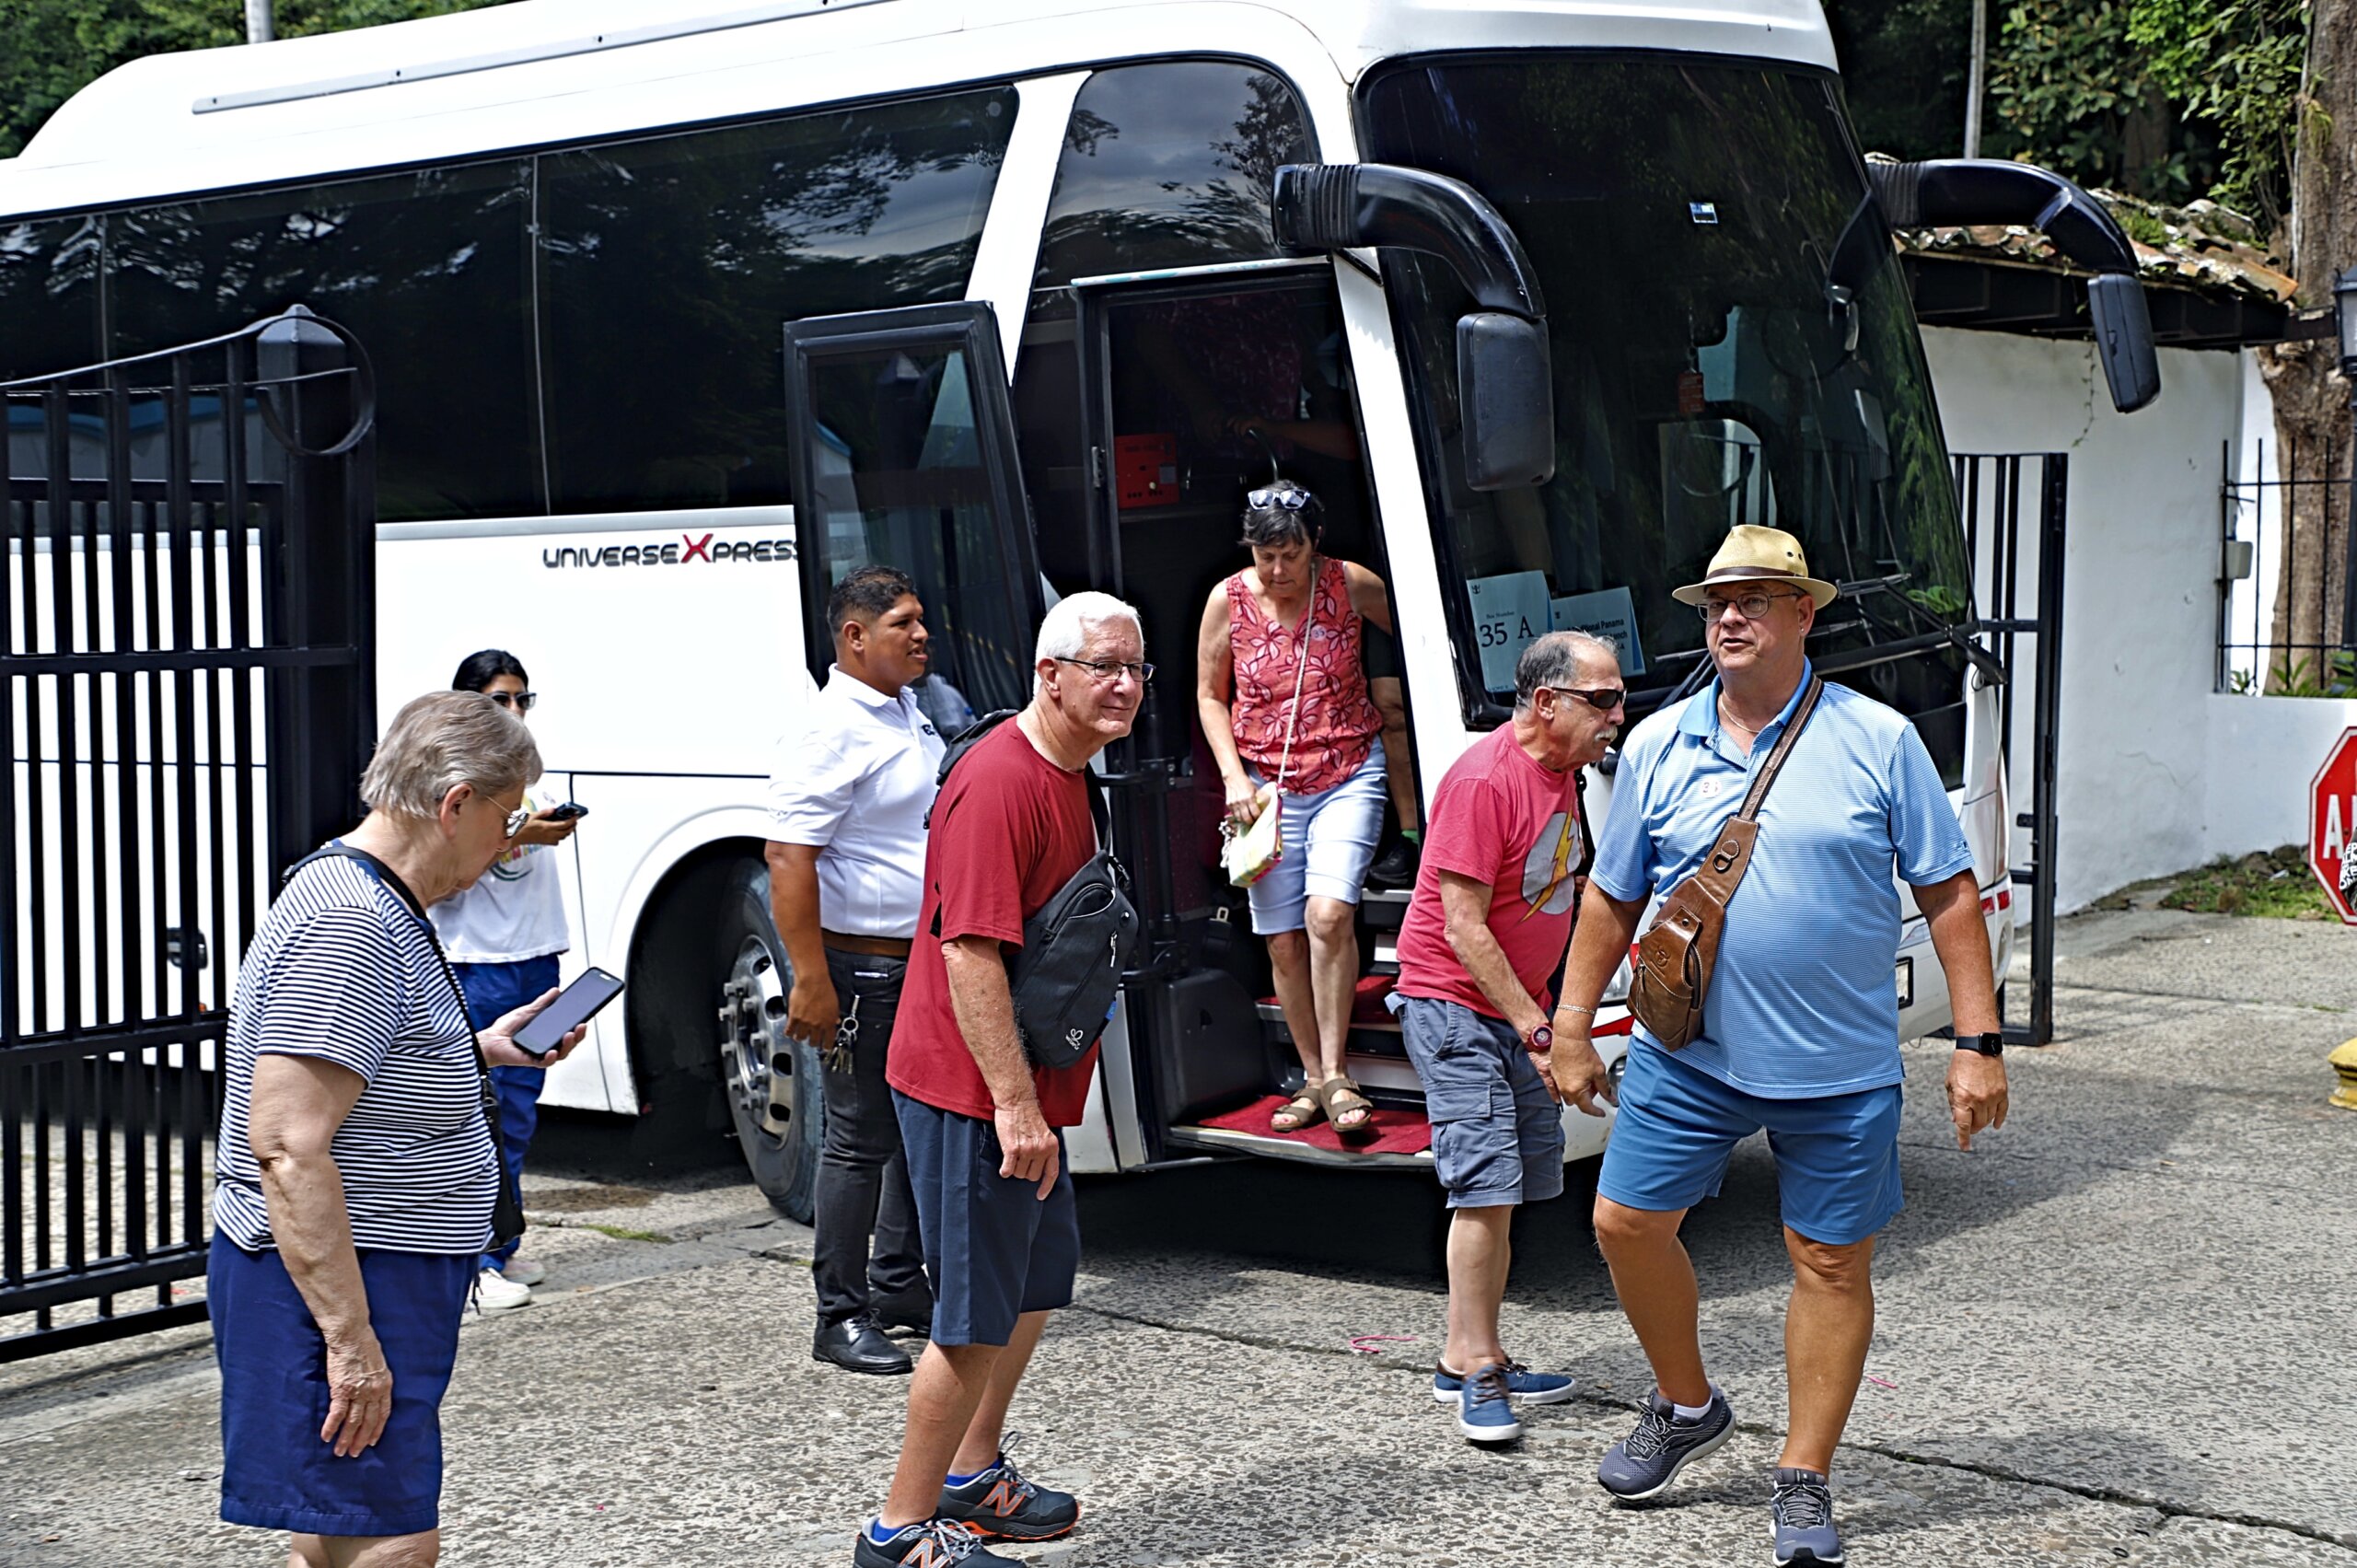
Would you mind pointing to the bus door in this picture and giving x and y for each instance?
(903, 454)
(1190, 387)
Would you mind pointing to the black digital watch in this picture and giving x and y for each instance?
(1987, 1045)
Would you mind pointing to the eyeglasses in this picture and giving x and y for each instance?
(1283, 498)
(520, 701)
(516, 819)
(1604, 699)
(1751, 606)
(1110, 669)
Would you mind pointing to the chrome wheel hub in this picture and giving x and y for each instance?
(756, 1057)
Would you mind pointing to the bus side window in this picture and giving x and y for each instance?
(1171, 164)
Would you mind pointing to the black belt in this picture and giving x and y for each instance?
(871, 947)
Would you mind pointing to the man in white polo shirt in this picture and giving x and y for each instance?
(846, 857)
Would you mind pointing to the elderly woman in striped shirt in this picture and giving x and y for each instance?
(357, 1172)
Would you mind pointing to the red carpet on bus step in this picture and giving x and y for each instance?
(1396, 1132)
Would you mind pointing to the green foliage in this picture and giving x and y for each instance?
(2235, 65)
(2274, 885)
(1903, 64)
(54, 48)
(2335, 677)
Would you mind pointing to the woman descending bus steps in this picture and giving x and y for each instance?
(1284, 698)
(504, 937)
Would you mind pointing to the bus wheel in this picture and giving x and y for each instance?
(771, 1082)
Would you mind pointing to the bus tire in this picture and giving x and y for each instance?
(769, 1082)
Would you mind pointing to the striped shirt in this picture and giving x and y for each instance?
(341, 969)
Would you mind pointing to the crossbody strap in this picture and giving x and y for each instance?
(1758, 795)
(1300, 670)
(1722, 870)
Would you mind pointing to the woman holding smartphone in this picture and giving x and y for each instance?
(504, 935)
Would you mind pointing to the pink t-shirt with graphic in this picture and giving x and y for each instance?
(1502, 819)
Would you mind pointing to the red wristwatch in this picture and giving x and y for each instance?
(1540, 1038)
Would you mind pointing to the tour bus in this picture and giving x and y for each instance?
(679, 310)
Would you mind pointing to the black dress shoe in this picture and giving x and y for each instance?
(856, 1344)
(1395, 866)
(910, 1309)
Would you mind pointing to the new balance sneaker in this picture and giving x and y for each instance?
(496, 1293)
(1524, 1387)
(936, 1543)
(1000, 1502)
(1801, 1517)
(1643, 1464)
(1485, 1407)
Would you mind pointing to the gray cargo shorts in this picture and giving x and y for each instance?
(1497, 1135)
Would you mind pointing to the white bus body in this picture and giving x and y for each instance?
(666, 614)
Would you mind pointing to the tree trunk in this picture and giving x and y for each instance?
(2312, 411)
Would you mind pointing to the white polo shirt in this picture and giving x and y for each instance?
(856, 782)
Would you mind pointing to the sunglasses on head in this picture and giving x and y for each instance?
(1282, 497)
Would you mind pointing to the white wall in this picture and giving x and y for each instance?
(2264, 751)
(2138, 765)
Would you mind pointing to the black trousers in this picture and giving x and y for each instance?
(864, 1194)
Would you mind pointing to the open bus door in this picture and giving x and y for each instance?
(1186, 388)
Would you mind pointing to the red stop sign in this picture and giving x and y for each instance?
(2332, 818)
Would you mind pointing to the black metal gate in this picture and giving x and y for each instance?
(2017, 589)
(187, 698)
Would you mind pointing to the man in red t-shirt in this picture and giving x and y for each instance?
(981, 1127)
(1486, 928)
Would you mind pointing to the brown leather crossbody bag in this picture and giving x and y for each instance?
(1677, 953)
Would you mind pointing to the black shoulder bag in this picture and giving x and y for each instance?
(1067, 979)
(507, 1208)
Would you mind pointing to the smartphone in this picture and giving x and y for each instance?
(574, 1007)
(567, 812)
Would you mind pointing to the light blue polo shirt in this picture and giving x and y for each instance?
(1805, 998)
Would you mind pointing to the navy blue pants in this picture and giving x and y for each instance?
(275, 1471)
(492, 991)
(995, 1247)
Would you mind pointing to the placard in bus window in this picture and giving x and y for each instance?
(1509, 614)
(1611, 614)
(1145, 469)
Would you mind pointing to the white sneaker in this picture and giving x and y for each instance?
(496, 1293)
(522, 1271)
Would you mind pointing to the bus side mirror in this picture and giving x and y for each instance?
(1507, 396)
(2124, 339)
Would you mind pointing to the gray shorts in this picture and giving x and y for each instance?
(1497, 1133)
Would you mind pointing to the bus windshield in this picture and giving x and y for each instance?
(1720, 357)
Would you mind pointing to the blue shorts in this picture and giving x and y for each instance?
(1497, 1133)
(1837, 1156)
(275, 1472)
(1328, 841)
(995, 1247)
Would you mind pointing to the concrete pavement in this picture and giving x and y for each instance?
(2114, 1333)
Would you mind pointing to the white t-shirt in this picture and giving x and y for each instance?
(514, 911)
(856, 781)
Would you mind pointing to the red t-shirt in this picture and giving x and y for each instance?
(1501, 818)
(1009, 829)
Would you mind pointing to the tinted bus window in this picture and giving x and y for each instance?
(671, 264)
(1170, 166)
(48, 304)
(428, 269)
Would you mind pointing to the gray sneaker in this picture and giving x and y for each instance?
(1643, 1464)
(1801, 1516)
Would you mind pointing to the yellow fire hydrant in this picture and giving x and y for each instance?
(2344, 1062)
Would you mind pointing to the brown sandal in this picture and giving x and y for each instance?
(1304, 1109)
(1342, 1097)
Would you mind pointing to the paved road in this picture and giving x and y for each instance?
(2117, 1333)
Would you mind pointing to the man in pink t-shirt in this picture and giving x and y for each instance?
(1486, 928)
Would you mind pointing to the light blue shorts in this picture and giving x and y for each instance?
(1328, 840)
(1837, 1156)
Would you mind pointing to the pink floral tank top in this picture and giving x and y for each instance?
(1338, 722)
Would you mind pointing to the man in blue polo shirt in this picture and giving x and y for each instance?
(1800, 1026)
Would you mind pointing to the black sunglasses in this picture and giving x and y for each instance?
(520, 701)
(1604, 699)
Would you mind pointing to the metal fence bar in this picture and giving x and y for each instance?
(147, 601)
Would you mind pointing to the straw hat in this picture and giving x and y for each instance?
(1754, 554)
